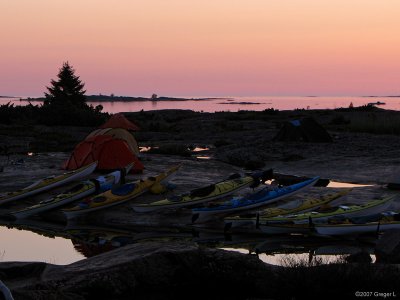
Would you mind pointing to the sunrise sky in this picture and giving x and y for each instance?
(203, 48)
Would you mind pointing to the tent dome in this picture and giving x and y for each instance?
(120, 121)
(303, 130)
(118, 133)
(111, 153)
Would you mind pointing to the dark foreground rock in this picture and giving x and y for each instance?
(187, 271)
(388, 247)
(360, 257)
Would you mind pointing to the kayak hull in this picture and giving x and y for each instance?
(118, 196)
(370, 207)
(302, 206)
(353, 229)
(251, 202)
(221, 190)
(284, 228)
(48, 183)
(33, 211)
(84, 189)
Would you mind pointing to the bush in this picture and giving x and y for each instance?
(67, 114)
(271, 111)
(27, 115)
(55, 114)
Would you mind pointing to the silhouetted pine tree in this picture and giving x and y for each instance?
(65, 102)
(67, 90)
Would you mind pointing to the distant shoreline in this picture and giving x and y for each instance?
(395, 96)
(104, 98)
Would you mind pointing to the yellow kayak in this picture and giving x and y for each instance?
(290, 208)
(117, 196)
(370, 207)
(205, 194)
(48, 183)
(79, 191)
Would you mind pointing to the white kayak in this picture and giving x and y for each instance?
(352, 229)
(385, 221)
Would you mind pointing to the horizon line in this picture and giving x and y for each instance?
(213, 96)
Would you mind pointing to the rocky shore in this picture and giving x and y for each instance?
(229, 143)
(188, 271)
(363, 148)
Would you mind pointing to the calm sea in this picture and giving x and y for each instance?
(240, 103)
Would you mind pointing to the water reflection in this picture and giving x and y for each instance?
(145, 148)
(24, 245)
(200, 152)
(281, 250)
(237, 103)
(60, 244)
(200, 149)
(337, 184)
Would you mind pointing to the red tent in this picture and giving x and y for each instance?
(111, 154)
(120, 121)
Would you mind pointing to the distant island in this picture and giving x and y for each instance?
(112, 98)
(393, 96)
(242, 103)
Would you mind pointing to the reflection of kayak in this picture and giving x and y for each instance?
(81, 190)
(260, 198)
(117, 196)
(93, 240)
(205, 194)
(290, 208)
(48, 183)
(370, 207)
(97, 235)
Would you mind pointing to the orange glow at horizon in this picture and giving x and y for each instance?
(236, 47)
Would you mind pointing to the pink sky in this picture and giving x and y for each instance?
(203, 48)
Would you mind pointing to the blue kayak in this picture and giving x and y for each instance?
(265, 196)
